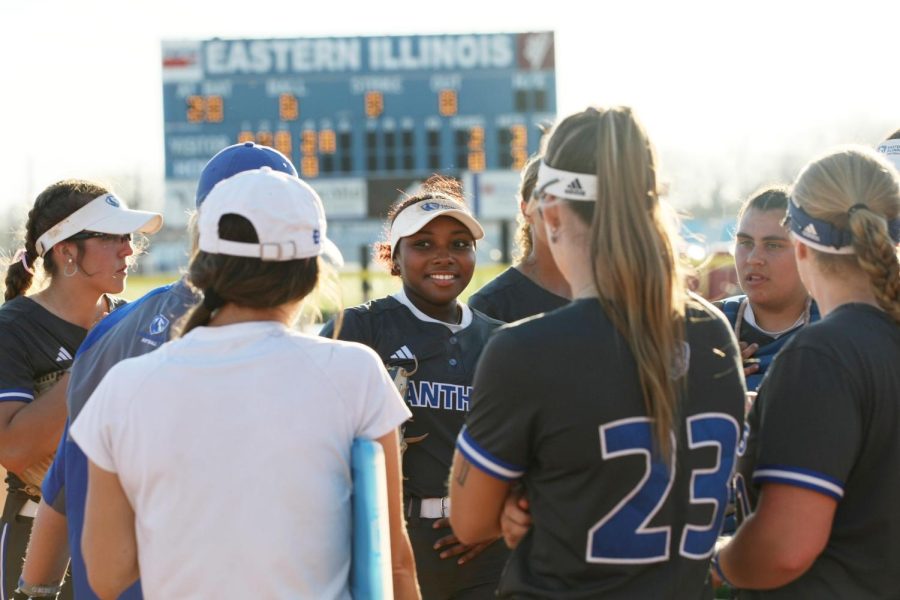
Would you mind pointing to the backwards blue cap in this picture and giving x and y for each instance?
(237, 159)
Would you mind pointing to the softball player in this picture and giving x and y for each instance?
(775, 304)
(161, 495)
(82, 233)
(620, 412)
(822, 464)
(428, 332)
(138, 328)
(534, 284)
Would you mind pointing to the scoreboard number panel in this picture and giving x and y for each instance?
(363, 108)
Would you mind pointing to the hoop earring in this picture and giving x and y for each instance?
(66, 269)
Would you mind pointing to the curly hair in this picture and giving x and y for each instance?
(436, 186)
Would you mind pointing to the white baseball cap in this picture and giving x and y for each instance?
(285, 211)
(103, 214)
(414, 217)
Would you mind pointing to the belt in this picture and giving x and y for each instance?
(428, 508)
(29, 509)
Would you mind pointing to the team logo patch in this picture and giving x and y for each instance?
(158, 325)
(112, 201)
(431, 205)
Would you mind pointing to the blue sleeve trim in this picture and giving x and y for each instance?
(484, 460)
(804, 478)
(113, 318)
(17, 395)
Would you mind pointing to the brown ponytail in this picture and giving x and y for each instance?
(51, 206)
(247, 282)
(636, 273)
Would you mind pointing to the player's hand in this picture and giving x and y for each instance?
(515, 521)
(714, 579)
(751, 365)
(452, 547)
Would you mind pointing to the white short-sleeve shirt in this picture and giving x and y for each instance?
(233, 446)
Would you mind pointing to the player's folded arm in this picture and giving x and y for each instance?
(782, 538)
(479, 483)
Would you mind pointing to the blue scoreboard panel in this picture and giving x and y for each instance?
(359, 115)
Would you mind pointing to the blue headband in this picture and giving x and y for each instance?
(825, 236)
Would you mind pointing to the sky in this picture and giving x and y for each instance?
(733, 94)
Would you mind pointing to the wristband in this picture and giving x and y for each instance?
(714, 563)
(32, 590)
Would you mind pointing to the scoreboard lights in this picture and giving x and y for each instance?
(391, 106)
(374, 104)
(210, 109)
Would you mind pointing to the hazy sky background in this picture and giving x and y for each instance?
(734, 94)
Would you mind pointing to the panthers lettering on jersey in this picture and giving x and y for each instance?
(439, 390)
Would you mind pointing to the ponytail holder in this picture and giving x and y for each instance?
(893, 224)
(212, 300)
(21, 256)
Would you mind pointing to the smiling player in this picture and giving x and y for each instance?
(425, 329)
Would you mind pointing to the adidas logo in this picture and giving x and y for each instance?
(63, 355)
(810, 232)
(575, 188)
(403, 354)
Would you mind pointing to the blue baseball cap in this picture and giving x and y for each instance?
(237, 159)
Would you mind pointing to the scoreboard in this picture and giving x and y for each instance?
(360, 117)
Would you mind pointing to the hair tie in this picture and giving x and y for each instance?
(212, 300)
(21, 256)
(856, 207)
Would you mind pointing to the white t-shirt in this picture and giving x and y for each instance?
(232, 445)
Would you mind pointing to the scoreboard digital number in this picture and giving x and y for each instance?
(361, 109)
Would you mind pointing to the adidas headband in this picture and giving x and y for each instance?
(824, 236)
(565, 184)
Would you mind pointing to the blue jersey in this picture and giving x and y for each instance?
(769, 346)
(137, 328)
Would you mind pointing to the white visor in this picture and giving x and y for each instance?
(565, 184)
(103, 214)
(891, 151)
(414, 217)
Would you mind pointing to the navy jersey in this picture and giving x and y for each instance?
(135, 329)
(438, 392)
(34, 343)
(769, 346)
(826, 419)
(558, 404)
(512, 296)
